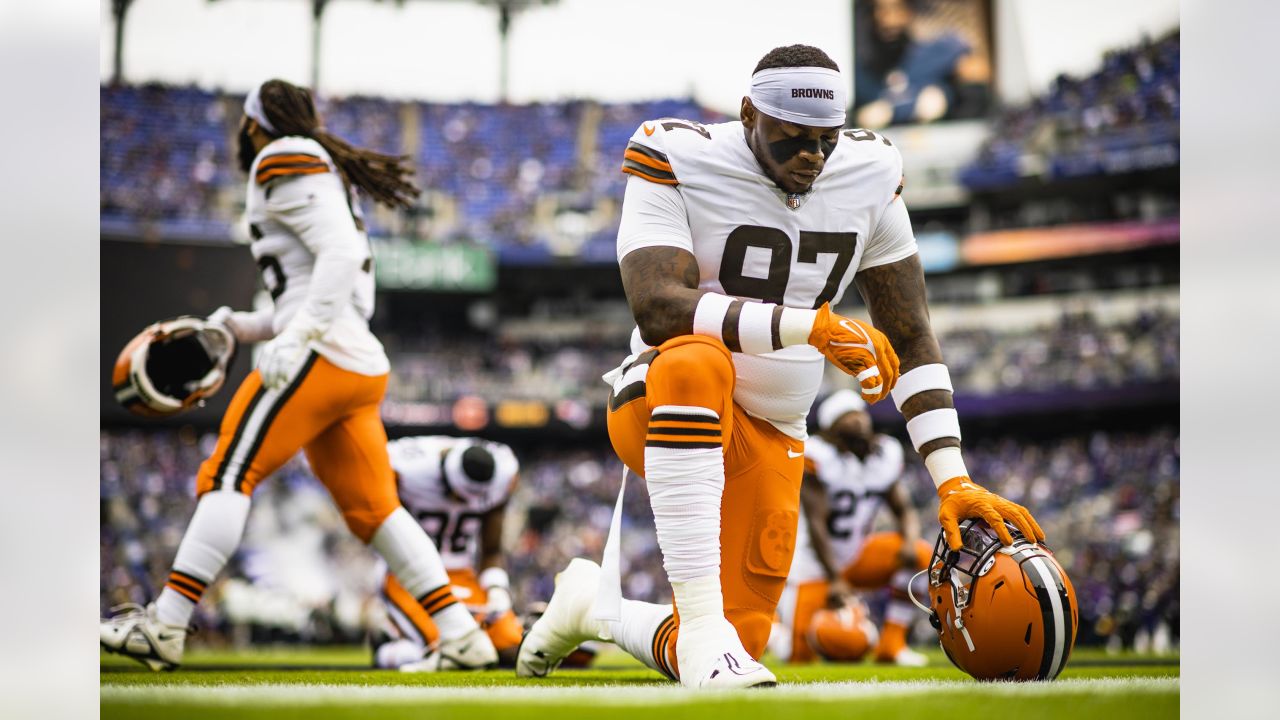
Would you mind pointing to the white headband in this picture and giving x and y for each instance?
(840, 403)
(253, 108)
(801, 95)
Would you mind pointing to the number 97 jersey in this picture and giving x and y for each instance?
(450, 506)
(700, 188)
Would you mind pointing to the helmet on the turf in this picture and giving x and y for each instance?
(1002, 613)
(842, 634)
(172, 366)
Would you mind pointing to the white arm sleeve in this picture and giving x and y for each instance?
(315, 208)
(892, 240)
(252, 326)
(652, 215)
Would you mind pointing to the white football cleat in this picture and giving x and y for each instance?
(565, 624)
(136, 633)
(711, 657)
(472, 651)
(907, 657)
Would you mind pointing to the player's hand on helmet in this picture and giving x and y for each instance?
(962, 498)
(858, 349)
(281, 357)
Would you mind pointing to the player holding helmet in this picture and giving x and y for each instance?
(735, 241)
(320, 378)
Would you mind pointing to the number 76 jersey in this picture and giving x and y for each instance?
(451, 516)
(700, 188)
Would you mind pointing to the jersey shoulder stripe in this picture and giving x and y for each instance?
(287, 164)
(649, 164)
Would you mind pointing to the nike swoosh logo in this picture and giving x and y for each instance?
(648, 129)
(166, 637)
(793, 454)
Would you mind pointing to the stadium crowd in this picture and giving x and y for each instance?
(1078, 352)
(1123, 117)
(1108, 501)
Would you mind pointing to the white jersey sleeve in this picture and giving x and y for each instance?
(891, 239)
(316, 209)
(884, 467)
(653, 211)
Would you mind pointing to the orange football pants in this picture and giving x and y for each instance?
(330, 413)
(763, 468)
(872, 569)
(505, 631)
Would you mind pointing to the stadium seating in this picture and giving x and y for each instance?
(1122, 118)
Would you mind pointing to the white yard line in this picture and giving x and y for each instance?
(605, 695)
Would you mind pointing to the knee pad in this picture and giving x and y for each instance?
(692, 370)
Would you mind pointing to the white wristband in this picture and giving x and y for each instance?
(941, 423)
(493, 577)
(749, 327)
(944, 464)
(922, 379)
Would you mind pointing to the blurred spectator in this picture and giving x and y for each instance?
(905, 74)
(1122, 118)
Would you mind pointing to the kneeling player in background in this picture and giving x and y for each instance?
(457, 488)
(850, 471)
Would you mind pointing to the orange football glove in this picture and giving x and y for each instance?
(962, 498)
(858, 349)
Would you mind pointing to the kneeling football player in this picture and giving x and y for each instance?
(850, 473)
(457, 488)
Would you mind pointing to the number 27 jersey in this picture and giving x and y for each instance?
(700, 188)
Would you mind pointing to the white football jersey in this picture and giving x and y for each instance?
(700, 188)
(855, 493)
(452, 521)
(298, 207)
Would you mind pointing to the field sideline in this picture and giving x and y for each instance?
(334, 683)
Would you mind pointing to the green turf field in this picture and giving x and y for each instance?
(331, 683)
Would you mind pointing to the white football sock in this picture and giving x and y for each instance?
(685, 489)
(416, 563)
(211, 538)
(635, 632)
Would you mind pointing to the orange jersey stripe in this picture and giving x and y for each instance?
(646, 160)
(650, 178)
(283, 158)
(281, 172)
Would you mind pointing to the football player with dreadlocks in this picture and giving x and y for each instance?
(319, 381)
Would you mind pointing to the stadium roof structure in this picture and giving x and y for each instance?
(507, 11)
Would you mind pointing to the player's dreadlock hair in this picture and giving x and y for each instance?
(292, 111)
(795, 56)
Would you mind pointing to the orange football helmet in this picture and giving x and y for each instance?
(844, 634)
(1002, 613)
(172, 366)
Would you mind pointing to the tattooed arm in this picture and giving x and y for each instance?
(661, 283)
(895, 296)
